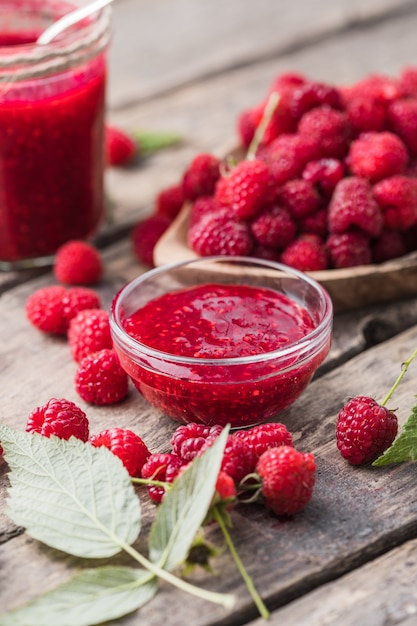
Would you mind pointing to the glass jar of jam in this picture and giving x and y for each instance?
(52, 105)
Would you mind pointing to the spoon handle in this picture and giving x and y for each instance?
(69, 19)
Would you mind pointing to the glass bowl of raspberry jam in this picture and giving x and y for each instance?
(222, 340)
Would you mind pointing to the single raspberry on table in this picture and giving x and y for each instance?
(163, 468)
(354, 206)
(146, 234)
(375, 156)
(125, 444)
(329, 129)
(273, 227)
(299, 197)
(246, 189)
(364, 429)
(287, 477)
(348, 249)
(201, 176)
(220, 233)
(402, 116)
(78, 263)
(169, 201)
(307, 254)
(397, 196)
(59, 417)
(120, 147)
(50, 309)
(89, 331)
(264, 436)
(189, 439)
(100, 379)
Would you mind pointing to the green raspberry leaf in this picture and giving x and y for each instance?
(148, 142)
(69, 494)
(404, 448)
(91, 597)
(185, 507)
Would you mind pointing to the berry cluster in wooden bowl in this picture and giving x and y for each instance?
(325, 181)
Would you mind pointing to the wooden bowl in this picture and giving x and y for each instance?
(349, 288)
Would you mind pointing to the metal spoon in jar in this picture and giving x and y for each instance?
(69, 20)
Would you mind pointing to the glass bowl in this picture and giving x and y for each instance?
(272, 329)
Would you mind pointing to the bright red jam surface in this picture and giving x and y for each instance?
(51, 158)
(214, 322)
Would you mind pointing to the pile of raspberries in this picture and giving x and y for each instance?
(332, 182)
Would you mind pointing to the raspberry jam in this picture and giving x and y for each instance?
(218, 353)
(52, 102)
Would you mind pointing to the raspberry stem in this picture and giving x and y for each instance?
(263, 611)
(404, 368)
(270, 107)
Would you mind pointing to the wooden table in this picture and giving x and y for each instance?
(350, 558)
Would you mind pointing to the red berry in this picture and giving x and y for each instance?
(120, 147)
(288, 477)
(397, 196)
(299, 197)
(51, 309)
(188, 440)
(225, 487)
(169, 201)
(78, 299)
(353, 205)
(220, 233)
(288, 155)
(408, 81)
(364, 430)
(324, 174)
(246, 190)
(314, 94)
(402, 115)
(163, 468)
(237, 457)
(100, 378)
(315, 224)
(89, 331)
(389, 245)
(78, 263)
(377, 155)
(307, 254)
(348, 249)
(205, 205)
(329, 129)
(146, 234)
(273, 228)
(126, 445)
(261, 438)
(59, 417)
(201, 176)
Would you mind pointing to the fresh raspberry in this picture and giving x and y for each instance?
(389, 245)
(146, 234)
(377, 155)
(201, 176)
(59, 417)
(45, 310)
(324, 174)
(364, 429)
(225, 487)
(402, 115)
(163, 468)
(299, 197)
(202, 206)
(288, 155)
(307, 254)
(247, 122)
(286, 81)
(329, 129)
(120, 147)
(378, 87)
(353, 205)
(89, 331)
(314, 94)
(315, 224)
(50, 309)
(100, 378)
(78, 263)
(218, 233)
(273, 228)
(125, 444)
(237, 458)
(169, 201)
(367, 114)
(348, 249)
(261, 438)
(397, 196)
(188, 440)
(288, 477)
(246, 190)
(408, 81)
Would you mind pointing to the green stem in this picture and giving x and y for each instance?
(263, 611)
(270, 107)
(404, 368)
(150, 481)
